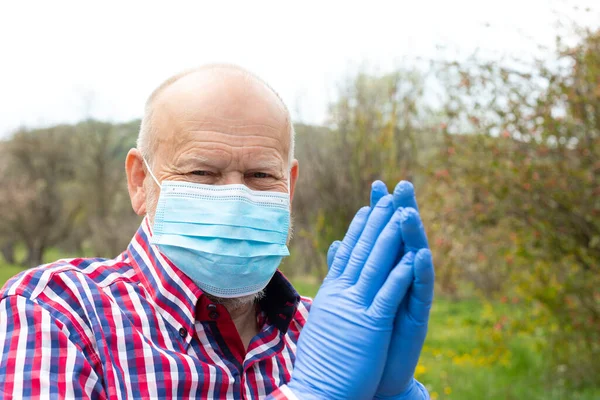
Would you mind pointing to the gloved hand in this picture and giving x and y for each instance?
(410, 326)
(342, 350)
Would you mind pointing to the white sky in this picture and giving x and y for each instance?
(61, 61)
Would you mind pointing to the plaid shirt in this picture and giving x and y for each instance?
(137, 327)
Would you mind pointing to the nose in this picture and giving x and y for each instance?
(232, 178)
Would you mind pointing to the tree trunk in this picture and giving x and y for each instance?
(8, 251)
(35, 255)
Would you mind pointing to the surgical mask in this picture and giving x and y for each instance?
(228, 239)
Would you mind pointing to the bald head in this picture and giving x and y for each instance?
(214, 125)
(225, 87)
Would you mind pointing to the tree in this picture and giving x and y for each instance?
(108, 221)
(36, 205)
(375, 131)
(529, 167)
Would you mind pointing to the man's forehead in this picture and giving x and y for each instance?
(207, 104)
(229, 101)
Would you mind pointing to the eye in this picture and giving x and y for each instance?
(260, 175)
(200, 173)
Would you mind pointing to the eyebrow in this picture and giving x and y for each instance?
(266, 164)
(250, 164)
(192, 161)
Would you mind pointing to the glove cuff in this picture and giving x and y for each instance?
(415, 391)
(297, 391)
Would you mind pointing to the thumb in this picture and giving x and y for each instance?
(378, 190)
(331, 252)
(421, 296)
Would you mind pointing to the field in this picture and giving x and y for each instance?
(7, 271)
(462, 361)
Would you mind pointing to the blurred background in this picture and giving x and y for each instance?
(492, 110)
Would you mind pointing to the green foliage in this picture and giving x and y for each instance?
(374, 134)
(508, 182)
(525, 205)
(65, 186)
(37, 176)
(102, 151)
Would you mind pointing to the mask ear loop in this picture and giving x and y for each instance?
(150, 171)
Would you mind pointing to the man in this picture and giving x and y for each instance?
(195, 308)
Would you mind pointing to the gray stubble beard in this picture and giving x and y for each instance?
(235, 303)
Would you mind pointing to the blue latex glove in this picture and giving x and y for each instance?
(344, 345)
(410, 327)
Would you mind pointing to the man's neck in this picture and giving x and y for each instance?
(244, 319)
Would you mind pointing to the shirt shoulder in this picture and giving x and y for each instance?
(299, 318)
(302, 310)
(67, 279)
(305, 302)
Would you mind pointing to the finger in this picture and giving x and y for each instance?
(421, 294)
(388, 299)
(381, 260)
(404, 195)
(378, 190)
(345, 249)
(378, 219)
(413, 231)
(331, 252)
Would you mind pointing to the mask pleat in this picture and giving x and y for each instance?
(225, 247)
(223, 231)
(209, 217)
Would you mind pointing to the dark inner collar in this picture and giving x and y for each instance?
(279, 304)
(280, 301)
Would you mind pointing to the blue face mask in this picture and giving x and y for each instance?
(228, 239)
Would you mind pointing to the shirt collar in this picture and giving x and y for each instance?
(176, 295)
(280, 301)
(279, 304)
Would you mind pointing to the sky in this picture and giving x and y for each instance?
(63, 61)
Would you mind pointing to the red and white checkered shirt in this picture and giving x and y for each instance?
(137, 327)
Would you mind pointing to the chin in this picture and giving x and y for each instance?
(235, 303)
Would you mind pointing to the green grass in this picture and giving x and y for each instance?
(7, 272)
(463, 360)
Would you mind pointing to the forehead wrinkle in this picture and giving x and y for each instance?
(192, 158)
(246, 132)
(261, 147)
(240, 135)
(202, 148)
(199, 124)
(178, 127)
(268, 164)
(240, 140)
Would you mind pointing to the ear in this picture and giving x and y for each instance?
(136, 174)
(293, 179)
